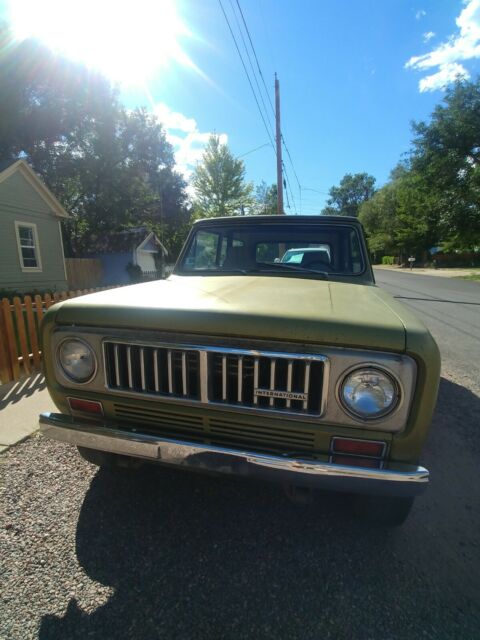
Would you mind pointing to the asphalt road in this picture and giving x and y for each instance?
(450, 307)
(161, 554)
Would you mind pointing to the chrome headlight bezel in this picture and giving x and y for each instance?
(373, 367)
(64, 371)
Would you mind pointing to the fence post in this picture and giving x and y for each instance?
(22, 334)
(11, 342)
(39, 308)
(32, 332)
(6, 369)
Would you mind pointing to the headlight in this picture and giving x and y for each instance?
(77, 360)
(369, 393)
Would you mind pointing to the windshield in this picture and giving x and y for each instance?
(292, 249)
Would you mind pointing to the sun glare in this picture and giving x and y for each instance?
(127, 41)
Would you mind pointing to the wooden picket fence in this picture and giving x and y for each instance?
(20, 321)
(83, 272)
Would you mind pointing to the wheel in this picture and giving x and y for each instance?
(391, 511)
(108, 460)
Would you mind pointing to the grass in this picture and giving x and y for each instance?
(473, 276)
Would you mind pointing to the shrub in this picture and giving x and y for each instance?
(457, 259)
(134, 271)
(388, 260)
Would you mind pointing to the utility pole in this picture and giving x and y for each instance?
(279, 148)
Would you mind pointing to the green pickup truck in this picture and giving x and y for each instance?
(302, 372)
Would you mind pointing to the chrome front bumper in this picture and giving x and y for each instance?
(396, 480)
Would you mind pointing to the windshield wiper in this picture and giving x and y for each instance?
(271, 266)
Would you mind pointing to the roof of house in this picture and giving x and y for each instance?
(124, 241)
(8, 169)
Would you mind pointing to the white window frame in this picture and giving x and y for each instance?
(36, 246)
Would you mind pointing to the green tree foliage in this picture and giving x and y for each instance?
(434, 197)
(396, 218)
(378, 216)
(219, 182)
(110, 168)
(446, 153)
(265, 199)
(353, 190)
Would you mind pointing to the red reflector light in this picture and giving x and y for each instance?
(358, 447)
(354, 461)
(86, 406)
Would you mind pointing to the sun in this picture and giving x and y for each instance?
(127, 41)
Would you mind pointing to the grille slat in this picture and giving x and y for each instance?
(281, 382)
(306, 384)
(277, 383)
(222, 432)
(153, 370)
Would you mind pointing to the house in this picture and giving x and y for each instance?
(31, 248)
(120, 250)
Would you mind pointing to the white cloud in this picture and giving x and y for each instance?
(428, 36)
(185, 137)
(447, 57)
(447, 74)
(420, 14)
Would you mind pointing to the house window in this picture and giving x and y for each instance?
(28, 249)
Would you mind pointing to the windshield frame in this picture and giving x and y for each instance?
(364, 277)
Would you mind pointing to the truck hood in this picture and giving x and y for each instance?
(263, 307)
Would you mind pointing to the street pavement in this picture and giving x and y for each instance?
(163, 554)
(450, 307)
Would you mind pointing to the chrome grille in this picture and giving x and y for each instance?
(234, 378)
(152, 370)
(276, 382)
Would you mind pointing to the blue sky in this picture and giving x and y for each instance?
(348, 90)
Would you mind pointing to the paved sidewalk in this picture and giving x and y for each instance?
(20, 404)
(441, 273)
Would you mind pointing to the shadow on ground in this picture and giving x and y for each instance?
(13, 392)
(200, 557)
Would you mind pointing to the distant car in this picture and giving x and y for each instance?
(297, 256)
(316, 258)
(303, 373)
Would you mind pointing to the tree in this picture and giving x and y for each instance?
(378, 217)
(446, 153)
(109, 167)
(219, 182)
(398, 218)
(353, 190)
(265, 199)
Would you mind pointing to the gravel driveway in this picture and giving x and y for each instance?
(161, 554)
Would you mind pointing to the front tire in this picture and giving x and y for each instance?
(391, 511)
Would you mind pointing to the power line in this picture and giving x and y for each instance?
(268, 94)
(256, 57)
(263, 114)
(250, 59)
(290, 188)
(286, 193)
(324, 193)
(247, 74)
(291, 162)
(267, 144)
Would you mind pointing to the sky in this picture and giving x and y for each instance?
(353, 74)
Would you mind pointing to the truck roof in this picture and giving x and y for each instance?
(278, 219)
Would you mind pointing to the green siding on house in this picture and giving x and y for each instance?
(20, 202)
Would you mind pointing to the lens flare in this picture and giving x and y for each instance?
(129, 42)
